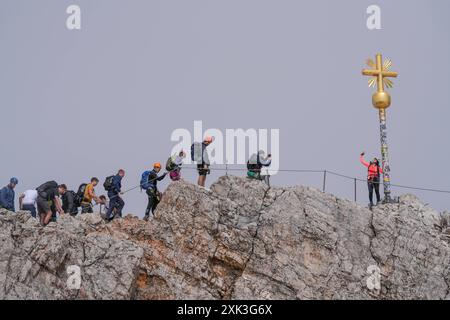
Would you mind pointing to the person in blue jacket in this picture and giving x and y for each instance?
(7, 195)
(114, 194)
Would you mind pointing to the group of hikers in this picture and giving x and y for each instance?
(50, 197)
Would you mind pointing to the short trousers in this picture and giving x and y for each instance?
(202, 171)
(43, 205)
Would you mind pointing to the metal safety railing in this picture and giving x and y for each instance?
(324, 172)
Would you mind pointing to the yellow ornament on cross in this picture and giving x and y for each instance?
(380, 74)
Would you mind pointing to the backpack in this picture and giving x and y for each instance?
(108, 183)
(170, 164)
(144, 180)
(254, 166)
(79, 196)
(197, 152)
(74, 196)
(47, 186)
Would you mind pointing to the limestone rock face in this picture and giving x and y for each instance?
(239, 240)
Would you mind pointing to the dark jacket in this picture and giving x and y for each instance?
(116, 187)
(153, 179)
(68, 202)
(7, 195)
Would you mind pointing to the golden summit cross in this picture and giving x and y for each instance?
(380, 74)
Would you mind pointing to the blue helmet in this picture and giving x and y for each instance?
(14, 180)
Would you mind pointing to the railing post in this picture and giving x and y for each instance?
(355, 188)
(324, 180)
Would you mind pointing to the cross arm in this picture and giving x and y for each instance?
(376, 73)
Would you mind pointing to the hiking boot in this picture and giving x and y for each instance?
(146, 218)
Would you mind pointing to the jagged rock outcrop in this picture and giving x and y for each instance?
(241, 240)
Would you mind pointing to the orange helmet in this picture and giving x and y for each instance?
(209, 139)
(157, 165)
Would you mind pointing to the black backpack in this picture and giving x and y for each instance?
(254, 166)
(108, 183)
(79, 196)
(43, 188)
(74, 196)
(197, 152)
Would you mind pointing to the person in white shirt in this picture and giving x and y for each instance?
(103, 203)
(27, 201)
(174, 165)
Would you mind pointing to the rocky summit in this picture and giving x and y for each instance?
(239, 240)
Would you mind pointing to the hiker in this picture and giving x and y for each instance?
(255, 164)
(103, 202)
(173, 165)
(69, 203)
(89, 195)
(7, 195)
(373, 177)
(27, 202)
(149, 182)
(48, 201)
(200, 155)
(113, 185)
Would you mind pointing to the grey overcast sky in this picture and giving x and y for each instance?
(76, 104)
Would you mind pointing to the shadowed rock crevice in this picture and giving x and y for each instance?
(240, 240)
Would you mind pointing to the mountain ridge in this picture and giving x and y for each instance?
(239, 240)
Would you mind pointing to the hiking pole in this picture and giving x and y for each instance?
(355, 188)
(324, 180)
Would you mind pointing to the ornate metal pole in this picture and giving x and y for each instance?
(385, 156)
(382, 100)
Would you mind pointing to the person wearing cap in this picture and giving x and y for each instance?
(154, 196)
(204, 164)
(7, 195)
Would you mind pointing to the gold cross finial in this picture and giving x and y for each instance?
(380, 74)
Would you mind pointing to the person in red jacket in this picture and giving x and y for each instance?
(373, 177)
